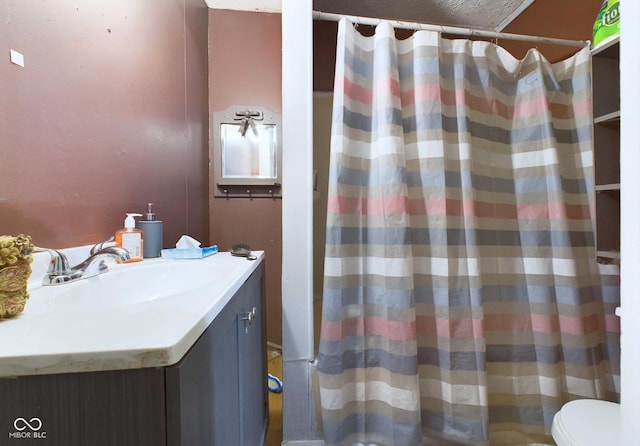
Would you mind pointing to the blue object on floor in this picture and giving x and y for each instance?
(275, 385)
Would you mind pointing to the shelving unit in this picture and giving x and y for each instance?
(606, 119)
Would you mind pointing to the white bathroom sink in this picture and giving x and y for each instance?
(145, 314)
(125, 285)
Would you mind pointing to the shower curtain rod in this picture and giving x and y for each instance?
(319, 15)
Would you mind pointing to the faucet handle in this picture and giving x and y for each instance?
(59, 264)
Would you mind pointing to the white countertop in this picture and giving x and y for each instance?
(46, 339)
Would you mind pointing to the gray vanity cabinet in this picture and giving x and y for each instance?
(215, 396)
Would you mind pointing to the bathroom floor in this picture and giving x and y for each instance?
(274, 433)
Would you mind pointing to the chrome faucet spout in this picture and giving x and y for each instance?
(98, 246)
(96, 260)
(90, 267)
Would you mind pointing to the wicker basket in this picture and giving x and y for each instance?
(15, 269)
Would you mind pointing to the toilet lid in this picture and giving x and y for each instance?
(586, 423)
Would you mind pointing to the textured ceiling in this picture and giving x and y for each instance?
(480, 14)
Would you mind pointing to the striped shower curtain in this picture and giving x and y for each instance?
(462, 303)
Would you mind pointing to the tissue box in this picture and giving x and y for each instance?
(189, 253)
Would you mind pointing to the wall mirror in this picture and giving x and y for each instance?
(246, 152)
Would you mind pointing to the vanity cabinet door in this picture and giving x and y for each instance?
(202, 389)
(254, 398)
(212, 393)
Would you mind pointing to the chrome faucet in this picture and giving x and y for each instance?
(60, 273)
(98, 246)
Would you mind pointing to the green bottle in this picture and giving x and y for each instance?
(607, 23)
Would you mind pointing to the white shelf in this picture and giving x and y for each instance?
(607, 187)
(613, 117)
(606, 120)
(609, 254)
(607, 44)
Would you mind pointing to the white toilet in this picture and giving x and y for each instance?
(587, 423)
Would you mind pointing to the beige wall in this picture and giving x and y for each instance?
(245, 59)
(108, 113)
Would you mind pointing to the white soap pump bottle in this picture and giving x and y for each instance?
(131, 238)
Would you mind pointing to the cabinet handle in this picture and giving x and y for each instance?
(250, 315)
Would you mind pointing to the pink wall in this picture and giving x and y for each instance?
(109, 112)
(245, 59)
